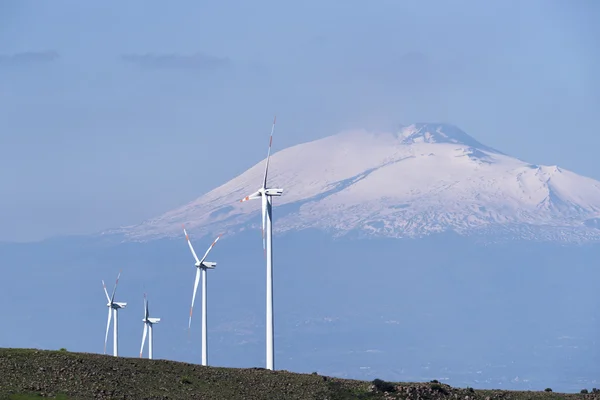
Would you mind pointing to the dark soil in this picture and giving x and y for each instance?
(31, 374)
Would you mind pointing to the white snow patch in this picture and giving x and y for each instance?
(420, 180)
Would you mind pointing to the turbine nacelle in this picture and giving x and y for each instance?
(261, 192)
(151, 320)
(116, 305)
(274, 192)
(206, 264)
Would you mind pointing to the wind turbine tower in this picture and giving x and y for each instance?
(113, 308)
(266, 195)
(201, 267)
(148, 325)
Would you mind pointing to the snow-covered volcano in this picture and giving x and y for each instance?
(423, 179)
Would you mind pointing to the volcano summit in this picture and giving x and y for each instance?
(423, 179)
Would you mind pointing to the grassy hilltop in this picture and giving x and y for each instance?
(32, 374)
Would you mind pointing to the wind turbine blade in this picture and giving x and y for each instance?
(264, 222)
(107, 328)
(252, 196)
(269, 153)
(146, 313)
(194, 295)
(105, 291)
(190, 244)
(143, 338)
(210, 248)
(115, 289)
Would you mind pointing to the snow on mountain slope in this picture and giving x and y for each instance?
(425, 178)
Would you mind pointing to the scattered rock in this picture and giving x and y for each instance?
(94, 376)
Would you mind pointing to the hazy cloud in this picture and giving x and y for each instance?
(177, 61)
(28, 57)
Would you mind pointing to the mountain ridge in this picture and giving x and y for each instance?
(422, 179)
(439, 132)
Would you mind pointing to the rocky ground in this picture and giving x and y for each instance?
(31, 374)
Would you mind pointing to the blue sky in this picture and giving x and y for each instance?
(114, 112)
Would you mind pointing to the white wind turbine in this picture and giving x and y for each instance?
(201, 265)
(266, 195)
(113, 307)
(148, 323)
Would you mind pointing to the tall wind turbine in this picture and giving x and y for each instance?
(148, 323)
(113, 307)
(266, 194)
(201, 265)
